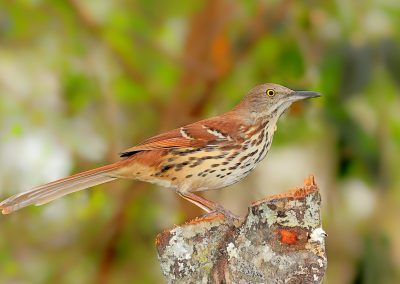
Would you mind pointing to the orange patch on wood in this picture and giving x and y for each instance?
(310, 181)
(288, 237)
(296, 193)
(209, 218)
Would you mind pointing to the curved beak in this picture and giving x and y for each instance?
(301, 95)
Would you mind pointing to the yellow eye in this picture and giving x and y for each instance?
(270, 93)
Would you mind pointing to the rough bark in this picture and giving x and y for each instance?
(279, 241)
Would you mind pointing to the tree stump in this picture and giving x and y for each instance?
(279, 241)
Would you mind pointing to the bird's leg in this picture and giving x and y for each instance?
(207, 205)
(199, 201)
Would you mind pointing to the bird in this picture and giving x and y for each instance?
(208, 154)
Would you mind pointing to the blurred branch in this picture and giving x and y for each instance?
(279, 241)
(263, 21)
(114, 231)
(90, 23)
(205, 28)
(208, 54)
(226, 58)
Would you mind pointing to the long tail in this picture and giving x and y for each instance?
(48, 192)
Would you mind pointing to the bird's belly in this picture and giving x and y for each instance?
(232, 170)
(195, 170)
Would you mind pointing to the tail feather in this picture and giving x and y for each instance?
(48, 192)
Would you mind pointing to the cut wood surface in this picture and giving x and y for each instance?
(279, 241)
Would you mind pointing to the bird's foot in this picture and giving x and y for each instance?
(209, 206)
(228, 214)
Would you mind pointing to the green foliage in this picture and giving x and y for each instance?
(376, 265)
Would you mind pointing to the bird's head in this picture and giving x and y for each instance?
(272, 99)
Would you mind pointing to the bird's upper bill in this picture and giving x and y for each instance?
(301, 95)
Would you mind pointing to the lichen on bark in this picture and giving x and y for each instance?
(279, 241)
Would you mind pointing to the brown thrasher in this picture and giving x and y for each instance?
(208, 154)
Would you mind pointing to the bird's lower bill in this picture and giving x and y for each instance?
(301, 95)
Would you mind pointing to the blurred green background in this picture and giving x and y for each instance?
(82, 80)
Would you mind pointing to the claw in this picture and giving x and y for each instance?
(227, 213)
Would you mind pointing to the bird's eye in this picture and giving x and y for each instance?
(270, 93)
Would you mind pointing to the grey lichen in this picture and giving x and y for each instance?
(279, 241)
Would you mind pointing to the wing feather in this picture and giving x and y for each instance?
(209, 132)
